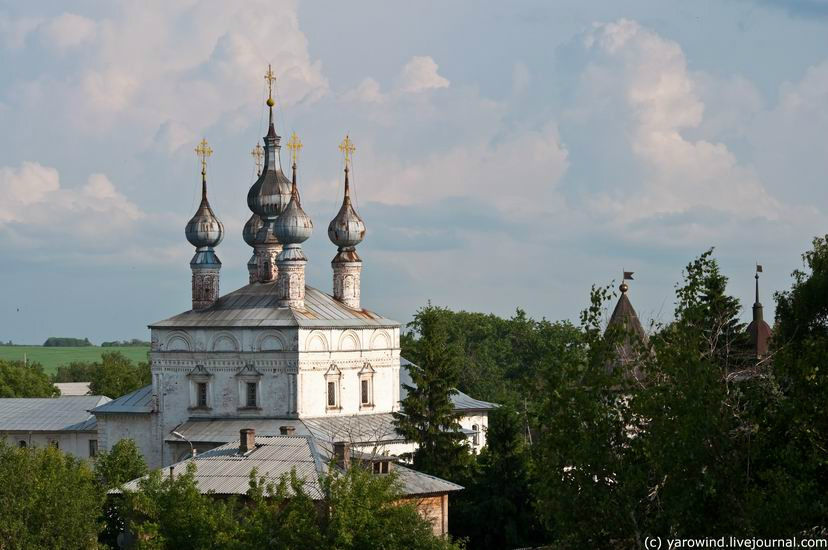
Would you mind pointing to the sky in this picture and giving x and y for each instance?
(509, 154)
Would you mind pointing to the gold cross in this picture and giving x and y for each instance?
(295, 146)
(347, 148)
(203, 151)
(271, 78)
(258, 155)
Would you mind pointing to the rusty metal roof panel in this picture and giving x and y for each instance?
(256, 305)
(49, 414)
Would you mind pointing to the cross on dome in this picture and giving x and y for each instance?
(295, 145)
(258, 154)
(347, 148)
(203, 151)
(271, 78)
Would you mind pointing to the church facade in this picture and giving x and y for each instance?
(275, 356)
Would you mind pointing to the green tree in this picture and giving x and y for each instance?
(496, 508)
(365, 511)
(124, 462)
(76, 371)
(116, 375)
(172, 513)
(48, 499)
(790, 458)
(428, 417)
(25, 380)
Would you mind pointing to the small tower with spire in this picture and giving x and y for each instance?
(758, 330)
(292, 228)
(267, 198)
(346, 231)
(204, 231)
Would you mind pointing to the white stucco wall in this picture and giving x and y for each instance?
(141, 428)
(481, 420)
(73, 443)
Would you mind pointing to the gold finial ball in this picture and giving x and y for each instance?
(624, 288)
(270, 102)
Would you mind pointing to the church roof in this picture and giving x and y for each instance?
(225, 472)
(49, 414)
(256, 305)
(624, 315)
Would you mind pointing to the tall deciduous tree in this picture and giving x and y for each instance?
(25, 380)
(428, 417)
(48, 499)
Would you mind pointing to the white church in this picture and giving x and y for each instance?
(276, 358)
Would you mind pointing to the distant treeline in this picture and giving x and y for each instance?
(124, 343)
(54, 342)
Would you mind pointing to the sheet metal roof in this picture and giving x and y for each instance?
(256, 305)
(49, 414)
(139, 401)
(356, 428)
(224, 471)
(461, 401)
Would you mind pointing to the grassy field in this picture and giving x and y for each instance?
(52, 358)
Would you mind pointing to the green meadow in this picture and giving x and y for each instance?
(52, 357)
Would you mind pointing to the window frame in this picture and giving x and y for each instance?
(200, 375)
(333, 379)
(246, 376)
(93, 448)
(366, 376)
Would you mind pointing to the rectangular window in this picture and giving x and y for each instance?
(93, 448)
(21, 444)
(332, 394)
(54, 443)
(251, 394)
(365, 392)
(201, 397)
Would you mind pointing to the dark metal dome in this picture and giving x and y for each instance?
(293, 226)
(347, 229)
(204, 228)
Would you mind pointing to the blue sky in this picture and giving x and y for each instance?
(509, 154)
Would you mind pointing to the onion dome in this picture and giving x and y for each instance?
(293, 226)
(347, 229)
(251, 229)
(204, 229)
(270, 195)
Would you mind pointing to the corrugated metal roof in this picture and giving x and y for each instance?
(224, 471)
(73, 388)
(356, 429)
(256, 305)
(461, 401)
(139, 401)
(49, 414)
(223, 430)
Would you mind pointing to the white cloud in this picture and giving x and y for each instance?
(69, 30)
(37, 209)
(659, 100)
(420, 74)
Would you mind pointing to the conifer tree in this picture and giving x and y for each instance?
(428, 417)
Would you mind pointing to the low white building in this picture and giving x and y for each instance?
(63, 422)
